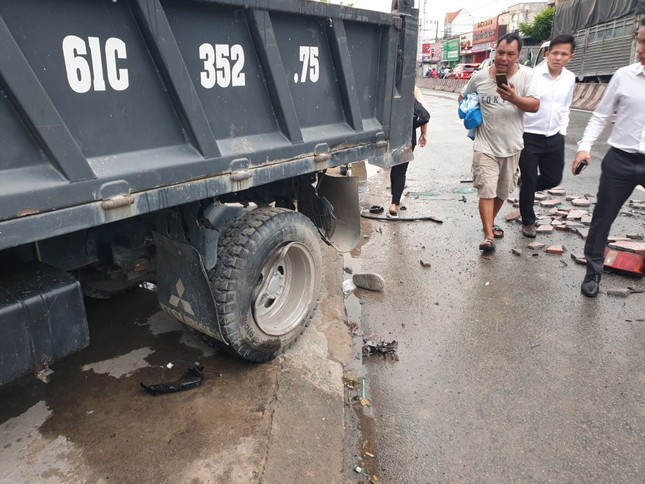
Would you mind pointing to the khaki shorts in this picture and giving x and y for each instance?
(494, 176)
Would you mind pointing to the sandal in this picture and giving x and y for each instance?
(498, 232)
(376, 209)
(487, 245)
(391, 214)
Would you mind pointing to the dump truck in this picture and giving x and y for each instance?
(605, 34)
(197, 147)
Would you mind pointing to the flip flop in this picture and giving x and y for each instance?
(498, 232)
(376, 209)
(487, 245)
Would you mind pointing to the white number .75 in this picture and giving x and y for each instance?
(310, 64)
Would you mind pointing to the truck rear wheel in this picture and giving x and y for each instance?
(266, 281)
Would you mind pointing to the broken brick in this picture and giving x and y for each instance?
(536, 245)
(514, 215)
(576, 214)
(580, 202)
(635, 236)
(555, 249)
(629, 246)
(540, 196)
(584, 233)
(618, 292)
(544, 229)
(579, 259)
(550, 203)
(517, 252)
(557, 191)
(586, 219)
(568, 198)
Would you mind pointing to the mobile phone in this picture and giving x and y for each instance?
(581, 166)
(501, 80)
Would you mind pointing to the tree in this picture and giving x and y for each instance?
(540, 29)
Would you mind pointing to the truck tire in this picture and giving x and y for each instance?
(266, 281)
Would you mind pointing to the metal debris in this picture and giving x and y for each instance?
(381, 347)
(192, 378)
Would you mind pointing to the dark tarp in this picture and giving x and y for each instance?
(580, 14)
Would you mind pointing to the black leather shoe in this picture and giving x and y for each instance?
(590, 285)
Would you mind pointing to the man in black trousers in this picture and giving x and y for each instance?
(545, 130)
(623, 167)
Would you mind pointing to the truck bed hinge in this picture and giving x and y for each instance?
(117, 201)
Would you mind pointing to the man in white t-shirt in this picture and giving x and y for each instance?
(498, 140)
(545, 130)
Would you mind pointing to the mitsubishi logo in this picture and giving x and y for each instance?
(176, 300)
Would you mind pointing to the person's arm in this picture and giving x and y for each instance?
(468, 88)
(528, 104)
(422, 136)
(566, 109)
(596, 124)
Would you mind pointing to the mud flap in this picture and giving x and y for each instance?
(341, 192)
(183, 287)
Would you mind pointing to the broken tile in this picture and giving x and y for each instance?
(562, 212)
(514, 215)
(544, 229)
(613, 238)
(557, 191)
(579, 259)
(562, 227)
(555, 249)
(580, 202)
(618, 292)
(584, 233)
(576, 214)
(516, 252)
(556, 221)
(539, 196)
(574, 225)
(586, 219)
(543, 221)
(425, 263)
(568, 198)
(553, 211)
(512, 200)
(550, 203)
(629, 246)
(536, 245)
(635, 236)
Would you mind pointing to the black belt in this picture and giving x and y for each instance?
(640, 157)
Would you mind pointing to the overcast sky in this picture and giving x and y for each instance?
(435, 10)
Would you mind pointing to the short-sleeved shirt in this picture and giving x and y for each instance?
(500, 133)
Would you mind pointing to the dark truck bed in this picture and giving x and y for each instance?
(158, 103)
(186, 144)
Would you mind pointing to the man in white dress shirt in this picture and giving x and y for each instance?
(623, 167)
(545, 130)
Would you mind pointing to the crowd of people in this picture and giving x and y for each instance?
(521, 139)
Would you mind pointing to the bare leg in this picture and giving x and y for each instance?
(487, 215)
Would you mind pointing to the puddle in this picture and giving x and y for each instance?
(356, 371)
(428, 193)
(464, 190)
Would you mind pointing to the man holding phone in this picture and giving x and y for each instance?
(623, 167)
(506, 91)
(545, 130)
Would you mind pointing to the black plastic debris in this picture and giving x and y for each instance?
(376, 209)
(192, 378)
(380, 347)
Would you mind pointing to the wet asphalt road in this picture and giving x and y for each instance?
(506, 373)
